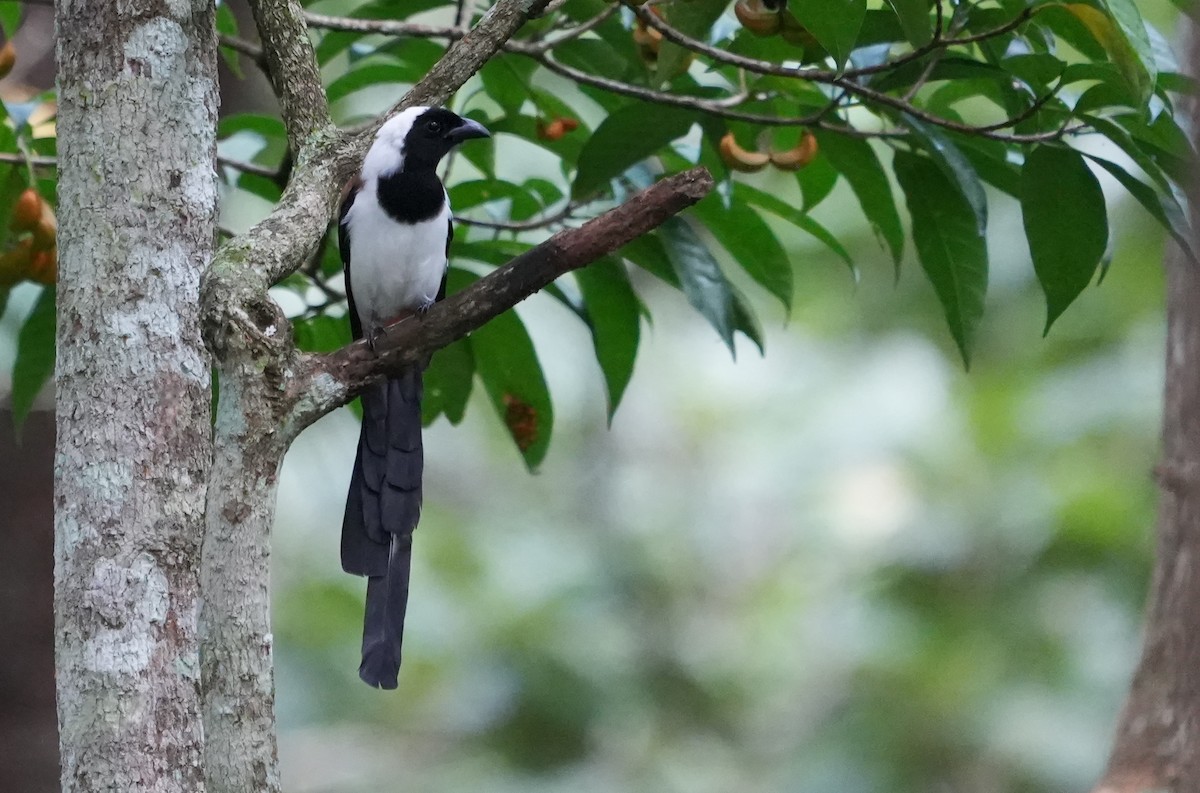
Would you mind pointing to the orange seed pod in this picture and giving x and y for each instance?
(740, 159)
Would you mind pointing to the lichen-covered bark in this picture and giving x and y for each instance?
(1157, 745)
(249, 443)
(137, 202)
(238, 669)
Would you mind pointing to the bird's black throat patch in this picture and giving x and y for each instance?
(411, 196)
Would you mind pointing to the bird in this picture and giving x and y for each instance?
(394, 232)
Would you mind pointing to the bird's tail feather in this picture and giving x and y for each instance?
(382, 509)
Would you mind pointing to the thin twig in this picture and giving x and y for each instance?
(244, 47)
(533, 224)
(32, 160)
(264, 171)
(717, 107)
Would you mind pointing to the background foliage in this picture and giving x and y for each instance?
(846, 566)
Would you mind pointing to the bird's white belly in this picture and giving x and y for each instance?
(394, 267)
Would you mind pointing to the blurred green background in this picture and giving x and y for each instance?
(848, 566)
(845, 567)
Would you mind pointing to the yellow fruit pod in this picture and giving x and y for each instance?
(739, 159)
(757, 18)
(8, 58)
(798, 156)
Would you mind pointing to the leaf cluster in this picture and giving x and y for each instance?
(942, 104)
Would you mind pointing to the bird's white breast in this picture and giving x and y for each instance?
(394, 267)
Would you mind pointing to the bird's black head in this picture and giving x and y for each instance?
(417, 138)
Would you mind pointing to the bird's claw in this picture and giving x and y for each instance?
(374, 336)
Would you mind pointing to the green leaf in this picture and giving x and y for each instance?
(914, 19)
(992, 165)
(567, 148)
(227, 25)
(750, 241)
(266, 127)
(833, 23)
(694, 18)
(470, 194)
(35, 356)
(494, 252)
(1120, 31)
(1130, 21)
(816, 181)
(506, 81)
(700, 277)
(10, 17)
(950, 246)
(1162, 207)
(955, 166)
(855, 160)
(746, 322)
(508, 365)
(625, 138)
(785, 211)
(649, 253)
(321, 333)
(1062, 206)
(335, 42)
(448, 381)
(593, 56)
(1126, 143)
(1038, 70)
(614, 313)
(367, 75)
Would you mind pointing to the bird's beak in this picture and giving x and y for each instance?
(466, 130)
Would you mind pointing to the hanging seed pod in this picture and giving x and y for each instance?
(740, 159)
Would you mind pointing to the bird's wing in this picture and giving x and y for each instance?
(441, 295)
(349, 193)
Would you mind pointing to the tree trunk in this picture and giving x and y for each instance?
(239, 676)
(1156, 746)
(137, 204)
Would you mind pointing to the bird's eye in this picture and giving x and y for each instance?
(434, 126)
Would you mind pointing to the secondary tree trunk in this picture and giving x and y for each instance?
(1157, 744)
(137, 204)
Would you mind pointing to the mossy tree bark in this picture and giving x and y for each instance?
(137, 207)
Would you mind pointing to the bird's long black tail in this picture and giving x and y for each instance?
(382, 509)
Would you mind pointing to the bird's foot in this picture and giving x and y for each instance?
(374, 336)
(425, 305)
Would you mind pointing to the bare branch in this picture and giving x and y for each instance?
(334, 379)
(292, 67)
(390, 27)
(33, 160)
(844, 81)
(385, 27)
(716, 107)
(533, 224)
(265, 171)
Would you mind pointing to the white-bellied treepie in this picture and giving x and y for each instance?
(394, 233)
